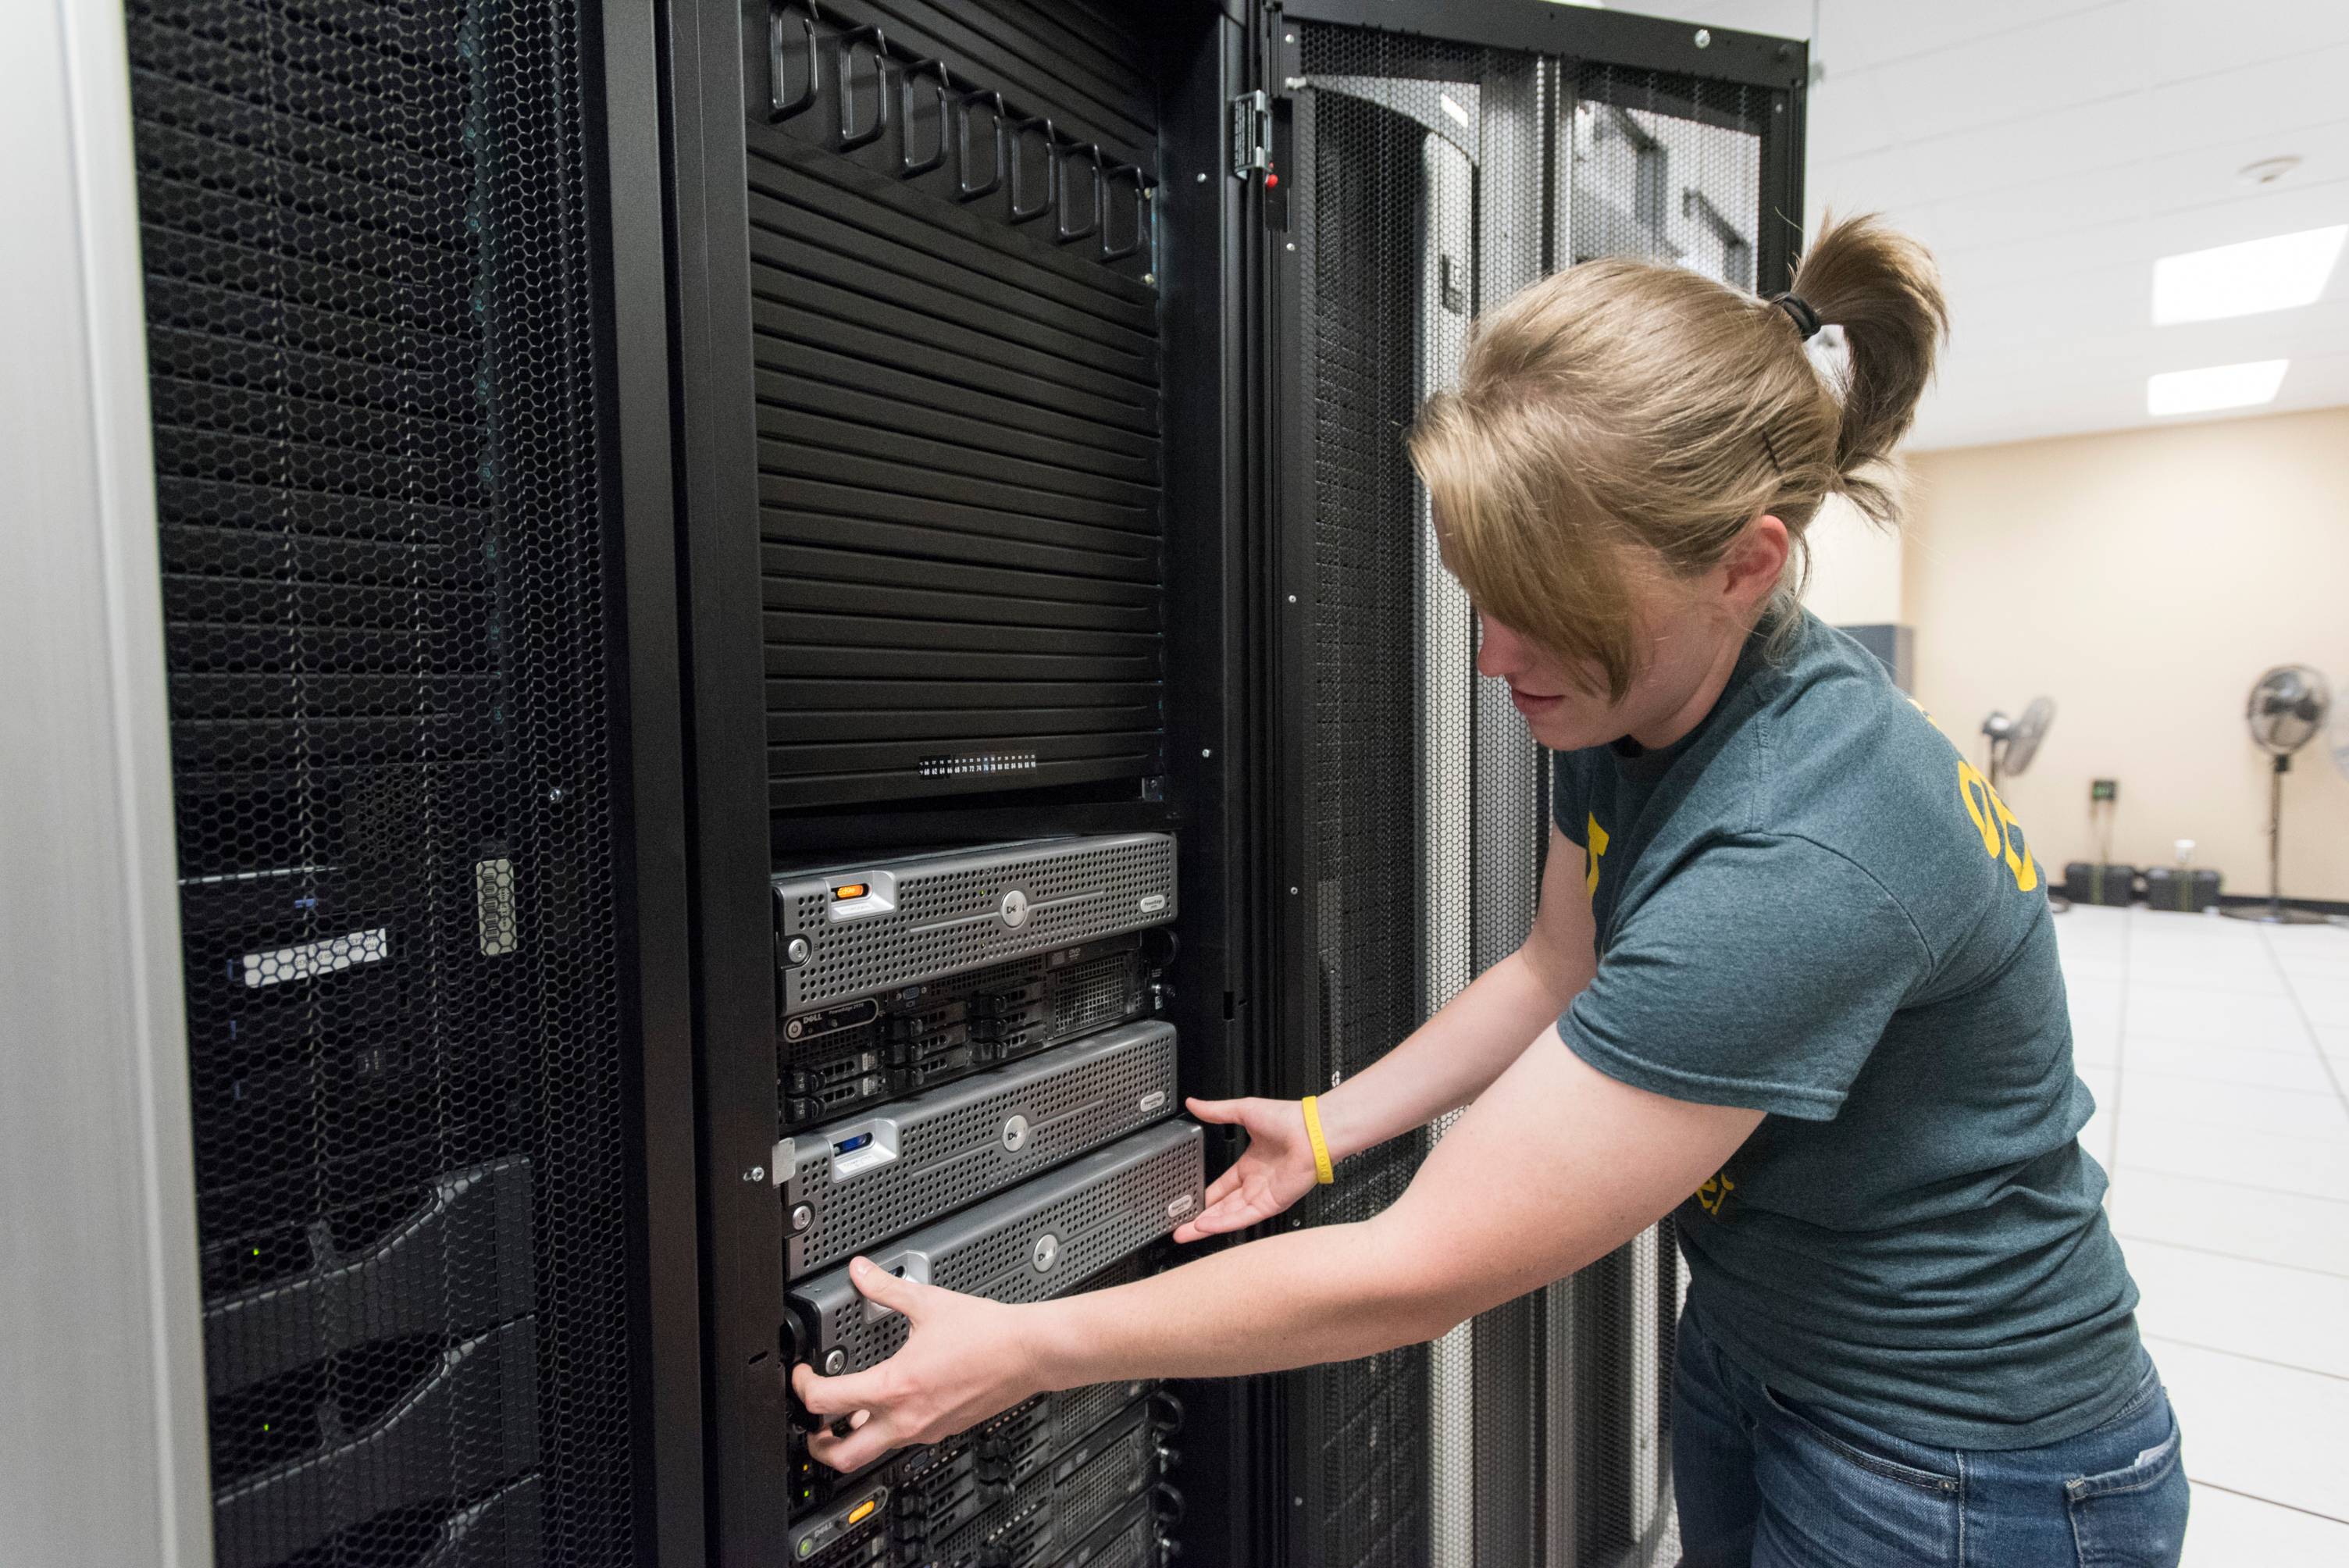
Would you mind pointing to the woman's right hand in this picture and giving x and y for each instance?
(1273, 1171)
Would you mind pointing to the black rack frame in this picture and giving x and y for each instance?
(732, 836)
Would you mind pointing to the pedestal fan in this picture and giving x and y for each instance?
(2013, 742)
(2287, 709)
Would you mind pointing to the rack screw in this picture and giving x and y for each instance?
(1292, 892)
(1704, 38)
(1150, 278)
(1202, 179)
(756, 1174)
(1288, 37)
(554, 796)
(1206, 752)
(1293, 598)
(1292, 244)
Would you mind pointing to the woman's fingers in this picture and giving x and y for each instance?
(868, 1442)
(836, 1396)
(1223, 1187)
(1227, 1112)
(1235, 1211)
(877, 1284)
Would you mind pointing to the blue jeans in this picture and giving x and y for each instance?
(1766, 1482)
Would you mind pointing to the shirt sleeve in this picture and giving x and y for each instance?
(1761, 974)
(1566, 797)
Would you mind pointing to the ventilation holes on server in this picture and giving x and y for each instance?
(942, 922)
(952, 766)
(1112, 1095)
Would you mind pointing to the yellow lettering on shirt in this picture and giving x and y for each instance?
(1714, 1194)
(1596, 838)
(2002, 835)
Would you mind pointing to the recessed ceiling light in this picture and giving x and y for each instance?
(2268, 170)
(2247, 279)
(2215, 387)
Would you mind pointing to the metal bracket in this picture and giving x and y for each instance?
(1251, 134)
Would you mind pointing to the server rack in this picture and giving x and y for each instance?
(609, 456)
(407, 374)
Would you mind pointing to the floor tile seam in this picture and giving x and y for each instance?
(2233, 1258)
(2120, 1062)
(2305, 1021)
(2255, 1497)
(2250, 1186)
(2324, 1093)
(2141, 1164)
(2233, 1082)
(2244, 1356)
(2262, 1124)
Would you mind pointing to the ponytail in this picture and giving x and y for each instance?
(1879, 288)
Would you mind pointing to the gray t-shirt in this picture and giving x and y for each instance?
(1815, 907)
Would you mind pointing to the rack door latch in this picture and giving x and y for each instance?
(1251, 134)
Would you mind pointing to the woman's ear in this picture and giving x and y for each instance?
(1755, 565)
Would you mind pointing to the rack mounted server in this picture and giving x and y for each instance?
(1037, 1241)
(1057, 1478)
(850, 1184)
(907, 973)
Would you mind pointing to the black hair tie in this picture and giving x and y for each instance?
(1805, 319)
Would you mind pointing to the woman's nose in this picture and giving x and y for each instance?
(1499, 654)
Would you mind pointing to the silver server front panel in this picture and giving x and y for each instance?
(921, 918)
(857, 1182)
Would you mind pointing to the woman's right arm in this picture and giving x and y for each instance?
(1446, 1063)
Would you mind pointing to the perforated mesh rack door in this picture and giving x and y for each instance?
(1424, 179)
(366, 235)
(1669, 168)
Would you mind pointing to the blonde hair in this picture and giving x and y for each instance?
(1621, 418)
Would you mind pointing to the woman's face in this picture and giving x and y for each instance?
(1688, 631)
(1680, 642)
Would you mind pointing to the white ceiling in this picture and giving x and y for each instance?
(2047, 151)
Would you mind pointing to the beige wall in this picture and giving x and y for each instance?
(1855, 568)
(2143, 580)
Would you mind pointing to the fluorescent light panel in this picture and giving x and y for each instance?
(2215, 387)
(2248, 279)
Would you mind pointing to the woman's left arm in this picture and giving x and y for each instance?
(1554, 1167)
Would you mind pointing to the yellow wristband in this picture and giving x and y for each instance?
(1322, 1171)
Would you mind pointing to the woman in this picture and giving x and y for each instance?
(1793, 976)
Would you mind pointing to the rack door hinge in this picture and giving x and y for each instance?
(1251, 134)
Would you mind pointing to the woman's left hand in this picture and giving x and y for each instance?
(965, 1358)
